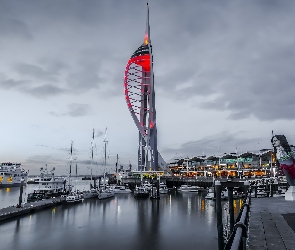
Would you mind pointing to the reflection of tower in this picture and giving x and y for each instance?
(140, 98)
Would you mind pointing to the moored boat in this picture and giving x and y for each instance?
(163, 188)
(12, 175)
(121, 189)
(88, 194)
(105, 192)
(73, 197)
(55, 187)
(141, 192)
(188, 188)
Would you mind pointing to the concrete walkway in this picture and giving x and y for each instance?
(272, 224)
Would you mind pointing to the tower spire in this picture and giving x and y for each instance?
(147, 29)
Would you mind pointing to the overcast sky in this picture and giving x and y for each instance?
(224, 77)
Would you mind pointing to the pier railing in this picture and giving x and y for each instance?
(238, 237)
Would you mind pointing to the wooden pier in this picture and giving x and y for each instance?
(28, 208)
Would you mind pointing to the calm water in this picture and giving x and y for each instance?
(176, 221)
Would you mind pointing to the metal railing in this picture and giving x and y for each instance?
(238, 237)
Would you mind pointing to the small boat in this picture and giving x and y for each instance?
(88, 194)
(188, 188)
(121, 189)
(73, 197)
(105, 192)
(163, 188)
(141, 192)
(210, 195)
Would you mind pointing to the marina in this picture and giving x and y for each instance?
(171, 222)
(227, 200)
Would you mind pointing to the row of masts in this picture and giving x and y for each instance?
(91, 156)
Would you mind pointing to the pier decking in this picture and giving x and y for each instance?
(272, 224)
(12, 212)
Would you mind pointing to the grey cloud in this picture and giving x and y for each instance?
(218, 145)
(34, 71)
(84, 80)
(13, 28)
(12, 84)
(43, 91)
(99, 133)
(74, 110)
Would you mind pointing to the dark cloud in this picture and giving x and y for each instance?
(28, 70)
(14, 29)
(43, 91)
(12, 84)
(233, 56)
(74, 110)
(219, 144)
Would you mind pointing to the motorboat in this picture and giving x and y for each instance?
(163, 188)
(188, 188)
(211, 195)
(141, 192)
(73, 197)
(121, 189)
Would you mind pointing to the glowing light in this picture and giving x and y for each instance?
(146, 39)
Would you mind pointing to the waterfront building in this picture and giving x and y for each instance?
(262, 164)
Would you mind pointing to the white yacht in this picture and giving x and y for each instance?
(141, 192)
(120, 189)
(105, 192)
(73, 197)
(11, 175)
(163, 188)
(188, 188)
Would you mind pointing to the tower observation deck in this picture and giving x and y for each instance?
(140, 98)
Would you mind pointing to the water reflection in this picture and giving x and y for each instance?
(176, 221)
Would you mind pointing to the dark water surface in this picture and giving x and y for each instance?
(176, 221)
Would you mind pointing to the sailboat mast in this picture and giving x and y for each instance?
(105, 156)
(117, 163)
(71, 157)
(91, 153)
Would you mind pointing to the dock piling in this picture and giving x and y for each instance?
(219, 215)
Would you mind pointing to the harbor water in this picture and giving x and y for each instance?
(175, 221)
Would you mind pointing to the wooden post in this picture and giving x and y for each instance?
(219, 215)
(21, 193)
(231, 208)
(246, 187)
